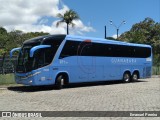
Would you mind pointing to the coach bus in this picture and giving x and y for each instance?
(63, 59)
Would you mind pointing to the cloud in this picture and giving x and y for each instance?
(79, 27)
(115, 36)
(34, 15)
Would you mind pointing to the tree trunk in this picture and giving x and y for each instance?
(67, 28)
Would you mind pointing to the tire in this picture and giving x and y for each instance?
(126, 77)
(134, 77)
(60, 82)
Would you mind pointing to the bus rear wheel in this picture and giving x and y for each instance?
(60, 82)
(135, 77)
(126, 77)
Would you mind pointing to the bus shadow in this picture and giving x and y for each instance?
(103, 83)
(70, 86)
(30, 88)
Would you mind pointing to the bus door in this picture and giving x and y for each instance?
(41, 62)
(86, 61)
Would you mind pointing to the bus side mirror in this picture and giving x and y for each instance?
(13, 50)
(32, 51)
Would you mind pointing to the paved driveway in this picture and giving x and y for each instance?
(110, 96)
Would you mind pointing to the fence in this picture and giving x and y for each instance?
(7, 65)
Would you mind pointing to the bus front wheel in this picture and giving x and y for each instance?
(126, 77)
(60, 82)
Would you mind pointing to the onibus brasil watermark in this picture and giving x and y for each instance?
(21, 114)
(34, 114)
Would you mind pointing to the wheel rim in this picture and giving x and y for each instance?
(62, 81)
(135, 77)
(126, 78)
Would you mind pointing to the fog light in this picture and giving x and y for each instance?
(30, 81)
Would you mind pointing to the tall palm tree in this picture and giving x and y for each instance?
(68, 18)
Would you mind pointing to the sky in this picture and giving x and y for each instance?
(41, 15)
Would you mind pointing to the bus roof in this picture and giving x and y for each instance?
(82, 38)
(102, 40)
(41, 38)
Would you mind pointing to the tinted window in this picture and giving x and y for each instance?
(77, 48)
(69, 49)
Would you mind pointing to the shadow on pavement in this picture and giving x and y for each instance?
(70, 86)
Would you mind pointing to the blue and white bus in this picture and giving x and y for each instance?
(64, 59)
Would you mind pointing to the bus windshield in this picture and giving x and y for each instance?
(41, 57)
(25, 62)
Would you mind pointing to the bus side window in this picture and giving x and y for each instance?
(70, 49)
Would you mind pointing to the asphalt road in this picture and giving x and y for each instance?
(107, 96)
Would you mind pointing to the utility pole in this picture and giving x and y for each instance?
(105, 34)
(117, 27)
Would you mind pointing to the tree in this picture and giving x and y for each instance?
(3, 30)
(68, 18)
(3, 40)
(145, 32)
(15, 38)
(111, 38)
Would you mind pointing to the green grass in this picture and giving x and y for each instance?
(7, 79)
(156, 70)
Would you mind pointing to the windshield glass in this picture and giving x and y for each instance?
(41, 57)
(25, 62)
